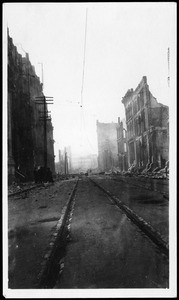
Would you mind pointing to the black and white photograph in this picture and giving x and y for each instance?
(89, 149)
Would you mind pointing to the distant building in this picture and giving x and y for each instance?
(122, 145)
(25, 127)
(63, 166)
(107, 146)
(69, 158)
(84, 163)
(147, 127)
(59, 166)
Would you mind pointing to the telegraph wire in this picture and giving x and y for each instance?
(84, 58)
(83, 126)
(83, 74)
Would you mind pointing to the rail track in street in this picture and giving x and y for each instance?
(53, 263)
(53, 259)
(165, 195)
(26, 190)
(140, 222)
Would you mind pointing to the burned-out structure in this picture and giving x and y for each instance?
(122, 145)
(84, 163)
(107, 146)
(63, 166)
(25, 125)
(147, 128)
(59, 166)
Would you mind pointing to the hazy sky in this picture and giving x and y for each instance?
(124, 42)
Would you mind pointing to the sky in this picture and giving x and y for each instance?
(124, 42)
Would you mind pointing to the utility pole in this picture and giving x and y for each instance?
(42, 100)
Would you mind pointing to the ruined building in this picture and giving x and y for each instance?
(63, 166)
(68, 157)
(84, 163)
(147, 127)
(59, 166)
(122, 145)
(25, 127)
(107, 146)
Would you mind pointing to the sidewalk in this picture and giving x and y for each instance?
(31, 221)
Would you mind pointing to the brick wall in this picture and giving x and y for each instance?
(25, 134)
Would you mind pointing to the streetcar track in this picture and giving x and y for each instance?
(51, 266)
(164, 194)
(145, 227)
(25, 190)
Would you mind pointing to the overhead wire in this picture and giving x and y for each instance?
(82, 83)
(84, 59)
(82, 116)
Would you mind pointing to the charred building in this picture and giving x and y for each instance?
(84, 163)
(122, 145)
(107, 146)
(59, 166)
(25, 127)
(147, 127)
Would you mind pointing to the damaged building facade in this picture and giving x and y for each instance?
(147, 128)
(25, 127)
(107, 146)
(122, 145)
(84, 163)
(63, 166)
